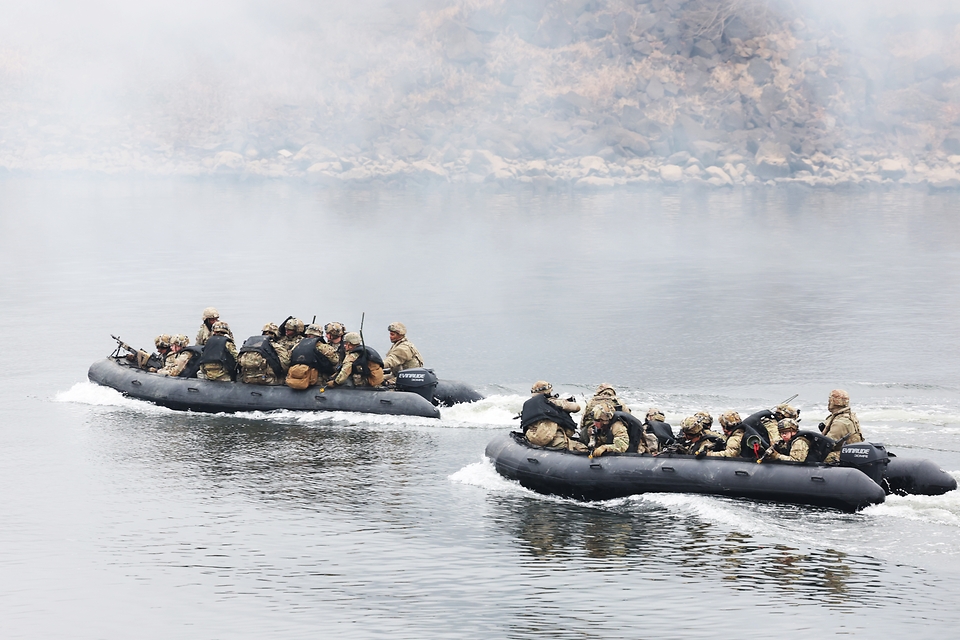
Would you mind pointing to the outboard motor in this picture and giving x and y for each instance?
(422, 382)
(869, 457)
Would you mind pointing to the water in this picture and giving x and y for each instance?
(124, 519)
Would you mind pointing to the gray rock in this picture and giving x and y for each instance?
(655, 89)
(704, 49)
(643, 47)
(671, 173)
(554, 32)
(771, 159)
(573, 102)
(893, 169)
(951, 143)
(707, 152)
(736, 28)
(459, 43)
(929, 66)
(678, 158)
(760, 69)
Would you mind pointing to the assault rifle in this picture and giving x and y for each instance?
(143, 359)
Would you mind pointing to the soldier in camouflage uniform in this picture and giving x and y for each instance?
(181, 358)
(335, 332)
(355, 351)
(217, 366)
(733, 435)
(840, 423)
(706, 420)
(789, 447)
(604, 393)
(327, 356)
(769, 424)
(546, 421)
(612, 435)
(210, 316)
(254, 368)
(692, 440)
(292, 329)
(402, 353)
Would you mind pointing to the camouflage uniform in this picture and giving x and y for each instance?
(254, 368)
(547, 433)
(205, 331)
(780, 412)
(841, 422)
(176, 365)
(732, 449)
(287, 343)
(799, 448)
(402, 355)
(693, 439)
(604, 393)
(215, 371)
(346, 368)
(705, 419)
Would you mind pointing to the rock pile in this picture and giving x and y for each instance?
(598, 93)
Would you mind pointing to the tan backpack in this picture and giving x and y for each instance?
(300, 376)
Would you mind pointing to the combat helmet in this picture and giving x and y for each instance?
(221, 327)
(654, 414)
(782, 411)
(313, 330)
(180, 340)
(691, 426)
(606, 390)
(270, 329)
(839, 399)
(603, 412)
(335, 329)
(705, 419)
(352, 338)
(541, 386)
(210, 313)
(729, 419)
(788, 424)
(163, 341)
(397, 327)
(295, 325)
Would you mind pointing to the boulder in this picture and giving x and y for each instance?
(655, 89)
(593, 165)
(771, 161)
(760, 69)
(228, 160)
(951, 143)
(594, 182)
(671, 173)
(943, 178)
(716, 173)
(460, 44)
(892, 169)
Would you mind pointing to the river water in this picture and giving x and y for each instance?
(122, 519)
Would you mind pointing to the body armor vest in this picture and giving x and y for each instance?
(306, 353)
(190, 371)
(215, 352)
(537, 408)
(263, 346)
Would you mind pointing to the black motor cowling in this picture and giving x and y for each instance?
(869, 457)
(422, 382)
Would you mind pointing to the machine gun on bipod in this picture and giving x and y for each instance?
(143, 360)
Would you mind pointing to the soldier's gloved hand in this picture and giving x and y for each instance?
(571, 399)
(152, 369)
(701, 454)
(599, 451)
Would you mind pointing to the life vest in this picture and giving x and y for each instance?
(215, 352)
(635, 429)
(750, 431)
(537, 408)
(820, 445)
(306, 353)
(365, 355)
(662, 430)
(190, 371)
(263, 346)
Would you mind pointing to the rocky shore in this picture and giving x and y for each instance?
(565, 93)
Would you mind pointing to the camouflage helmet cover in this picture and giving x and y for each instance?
(541, 386)
(180, 340)
(313, 330)
(785, 411)
(162, 341)
(270, 329)
(729, 419)
(606, 390)
(221, 327)
(839, 398)
(705, 419)
(210, 313)
(603, 412)
(655, 414)
(788, 424)
(397, 327)
(295, 325)
(691, 426)
(334, 328)
(352, 338)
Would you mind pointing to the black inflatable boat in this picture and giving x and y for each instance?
(420, 397)
(849, 488)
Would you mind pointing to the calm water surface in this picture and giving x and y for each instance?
(121, 519)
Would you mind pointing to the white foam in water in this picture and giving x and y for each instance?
(494, 411)
(97, 395)
(944, 510)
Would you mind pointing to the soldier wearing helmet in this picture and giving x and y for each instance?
(612, 435)
(402, 354)
(545, 419)
(692, 440)
(219, 359)
(185, 361)
(790, 447)
(312, 361)
(334, 332)
(361, 367)
(841, 422)
(152, 362)
(210, 316)
(605, 393)
(706, 420)
(778, 413)
(733, 430)
(291, 333)
(260, 360)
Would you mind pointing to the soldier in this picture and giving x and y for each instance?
(335, 332)
(789, 447)
(692, 441)
(770, 423)
(841, 422)
(312, 360)
(362, 366)
(707, 421)
(291, 333)
(546, 420)
(219, 359)
(185, 361)
(604, 393)
(733, 434)
(210, 316)
(260, 361)
(402, 353)
(612, 435)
